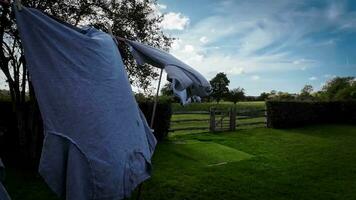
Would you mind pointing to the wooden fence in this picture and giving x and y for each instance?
(219, 120)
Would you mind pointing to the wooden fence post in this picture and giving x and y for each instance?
(266, 119)
(212, 120)
(232, 119)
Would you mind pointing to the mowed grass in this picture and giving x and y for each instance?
(316, 162)
(208, 153)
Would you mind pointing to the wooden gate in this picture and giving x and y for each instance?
(222, 120)
(216, 120)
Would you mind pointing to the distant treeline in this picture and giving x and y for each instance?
(336, 89)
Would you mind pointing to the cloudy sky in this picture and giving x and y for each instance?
(265, 44)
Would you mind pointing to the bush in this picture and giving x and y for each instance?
(22, 152)
(287, 114)
(9, 140)
(162, 117)
(9, 136)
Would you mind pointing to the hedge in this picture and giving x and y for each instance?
(162, 118)
(8, 131)
(288, 114)
(9, 137)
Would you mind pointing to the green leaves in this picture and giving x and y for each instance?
(133, 19)
(219, 86)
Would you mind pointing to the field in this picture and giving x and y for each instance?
(205, 123)
(316, 162)
(241, 107)
(221, 105)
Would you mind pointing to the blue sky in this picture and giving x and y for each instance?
(265, 44)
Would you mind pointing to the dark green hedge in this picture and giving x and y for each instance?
(287, 114)
(27, 154)
(162, 118)
(9, 137)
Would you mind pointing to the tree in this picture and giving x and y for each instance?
(285, 96)
(263, 96)
(219, 86)
(236, 95)
(166, 89)
(273, 92)
(132, 19)
(281, 96)
(306, 92)
(307, 89)
(340, 88)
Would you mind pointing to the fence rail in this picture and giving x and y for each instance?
(191, 112)
(190, 128)
(250, 123)
(219, 120)
(189, 120)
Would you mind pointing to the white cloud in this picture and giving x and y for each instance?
(268, 40)
(174, 21)
(313, 78)
(334, 11)
(216, 60)
(329, 76)
(304, 64)
(187, 52)
(236, 71)
(204, 39)
(255, 77)
(240, 51)
(162, 6)
(303, 61)
(188, 48)
(256, 40)
(176, 44)
(157, 9)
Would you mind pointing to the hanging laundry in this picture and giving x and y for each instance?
(3, 194)
(187, 83)
(97, 143)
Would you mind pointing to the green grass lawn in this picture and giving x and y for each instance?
(316, 162)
